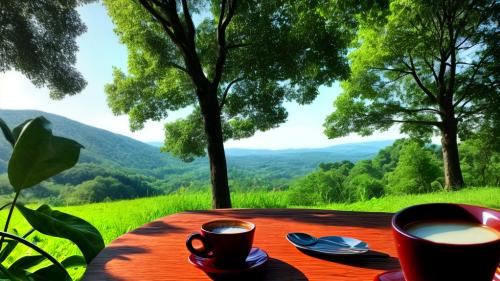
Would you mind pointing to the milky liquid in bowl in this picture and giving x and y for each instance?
(228, 229)
(453, 232)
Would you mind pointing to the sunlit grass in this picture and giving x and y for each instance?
(116, 218)
(487, 197)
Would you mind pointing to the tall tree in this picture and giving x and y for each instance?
(37, 38)
(233, 62)
(417, 168)
(480, 155)
(431, 66)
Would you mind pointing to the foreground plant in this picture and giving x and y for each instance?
(38, 155)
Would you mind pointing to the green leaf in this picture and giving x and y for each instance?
(11, 244)
(39, 155)
(25, 263)
(7, 133)
(59, 224)
(74, 261)
(19, 128)
(12, 276)
(50, 273)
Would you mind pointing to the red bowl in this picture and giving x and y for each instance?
(424, 260)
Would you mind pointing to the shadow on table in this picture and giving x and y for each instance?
(372, 260)
(274, 270)
(97, 269)
(310, 216)
(157, 228)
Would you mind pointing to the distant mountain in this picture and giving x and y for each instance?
(254, 165)
(155, 143)
(356, 150)
(101, 146)
(350, 151)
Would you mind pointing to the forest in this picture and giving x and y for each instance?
(408, 166)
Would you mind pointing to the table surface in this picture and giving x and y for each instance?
(157, 251)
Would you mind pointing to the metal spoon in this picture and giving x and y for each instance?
(305, 240)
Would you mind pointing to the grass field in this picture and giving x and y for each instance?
(116, 218)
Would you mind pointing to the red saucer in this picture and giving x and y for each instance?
(397, 275)
(255, 259)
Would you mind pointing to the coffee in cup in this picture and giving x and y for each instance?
(437, 242)
(452, 232)
(228, 242)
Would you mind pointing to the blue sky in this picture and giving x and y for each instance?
(100, 50)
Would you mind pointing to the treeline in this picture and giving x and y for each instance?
(408, 166)
(88, 183)
(91, 182)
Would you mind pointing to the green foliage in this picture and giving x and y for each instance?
(396, 63)
(480, 157)
(387, 158)
(37, 155)
(365, 167)
(363, 187)
(105, 189)
(407, 166)
(182, 145)
(416, 170)
(344, 167)
(58, 224)
(318, 187)
(429, 66)
(482, 196)
(39, 41)
(273, 51)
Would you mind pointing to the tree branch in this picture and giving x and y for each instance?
(163, 21)
(401, 75)
(181, 68)
(177, 27)
(234, 46)
(221, 38)
(392, 69)
(431, 66)
(471, 80)
(419, 82)
(230, 14)
(222, 13)
(189, 21)
(418, 122)
(226, 91)
(472, 112)
(408, 110)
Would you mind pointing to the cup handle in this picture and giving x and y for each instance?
(204, 252)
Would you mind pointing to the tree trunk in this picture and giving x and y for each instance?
(215, 147)
(451, 161)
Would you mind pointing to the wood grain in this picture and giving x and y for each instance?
(157, 250)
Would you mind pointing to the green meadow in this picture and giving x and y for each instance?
(116, 218)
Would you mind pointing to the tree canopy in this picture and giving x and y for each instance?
(233, 62)
(276, 51)
(417, 168)
(431, 66)
(37, 38)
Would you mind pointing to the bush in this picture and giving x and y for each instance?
(364, 187)
(416, 170)
(318, 187)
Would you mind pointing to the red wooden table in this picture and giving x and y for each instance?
(157, 250)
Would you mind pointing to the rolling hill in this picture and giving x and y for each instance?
(106, 148)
